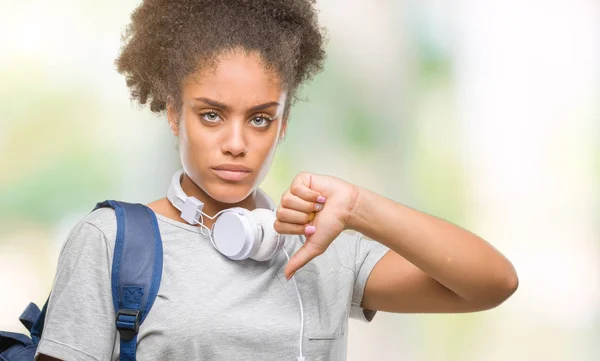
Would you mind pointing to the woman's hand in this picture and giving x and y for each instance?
(319, 207)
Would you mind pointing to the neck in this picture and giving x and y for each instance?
(212, 206)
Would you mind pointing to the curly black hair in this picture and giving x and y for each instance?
(169, 40)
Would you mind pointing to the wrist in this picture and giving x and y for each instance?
(357, 200)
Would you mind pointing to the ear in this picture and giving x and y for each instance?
(283, 129)
(285, 116)
(173, 116)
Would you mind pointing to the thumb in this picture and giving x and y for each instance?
(304, 255)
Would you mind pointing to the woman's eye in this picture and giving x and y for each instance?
(211, 117)
(261, 121)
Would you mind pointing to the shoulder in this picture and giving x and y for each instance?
(104, 221)
(352, 249)
(94, 233)
(340, 254)
(345, 246)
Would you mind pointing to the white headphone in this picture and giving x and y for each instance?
(238, 233)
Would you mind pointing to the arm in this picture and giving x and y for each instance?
(433, 265)
(79, 322)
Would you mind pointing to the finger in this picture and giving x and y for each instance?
(294, 202)
(304, 255)
(287, 215)
(304, 192)
(291, 228)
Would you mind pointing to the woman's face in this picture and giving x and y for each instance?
(229, 125)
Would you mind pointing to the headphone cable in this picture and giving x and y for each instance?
(301, 357)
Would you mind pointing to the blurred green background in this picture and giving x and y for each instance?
(482, 113)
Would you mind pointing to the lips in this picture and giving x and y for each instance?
(232, 172)
(233, 168)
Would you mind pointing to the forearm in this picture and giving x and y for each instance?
(454, 257)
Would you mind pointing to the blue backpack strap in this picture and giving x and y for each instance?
(136, 270)
(30, 315)
(37, 327)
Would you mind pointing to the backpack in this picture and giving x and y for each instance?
(135, 279)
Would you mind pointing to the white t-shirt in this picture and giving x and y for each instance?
(208, 306)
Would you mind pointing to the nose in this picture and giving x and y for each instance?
(234, 142)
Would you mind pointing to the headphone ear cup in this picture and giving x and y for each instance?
(236, 234)
(271, 241)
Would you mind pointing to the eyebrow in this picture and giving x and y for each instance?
(219, 105)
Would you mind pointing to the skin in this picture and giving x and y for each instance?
(432, 265)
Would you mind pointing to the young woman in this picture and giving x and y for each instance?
(225, 73)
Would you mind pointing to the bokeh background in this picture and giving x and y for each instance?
(485, 113)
